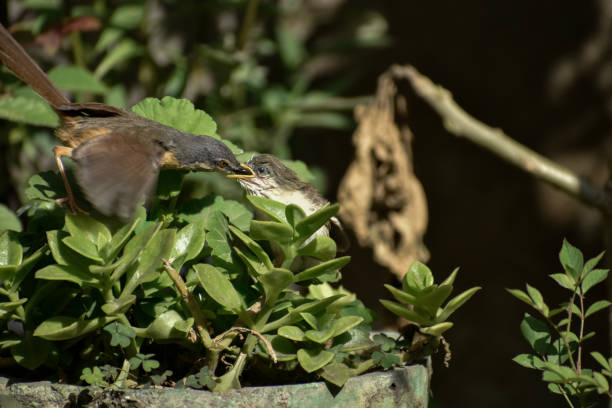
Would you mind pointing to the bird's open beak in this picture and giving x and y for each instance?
(247, 174)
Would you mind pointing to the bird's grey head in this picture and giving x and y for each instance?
(208, 153)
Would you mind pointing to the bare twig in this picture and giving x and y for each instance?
(192, 304)
(461, 123)
(250, 331)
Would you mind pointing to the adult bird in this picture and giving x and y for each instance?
(118, 153)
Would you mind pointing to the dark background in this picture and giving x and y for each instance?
(502, 62)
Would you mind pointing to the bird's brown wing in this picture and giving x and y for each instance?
(117, 170)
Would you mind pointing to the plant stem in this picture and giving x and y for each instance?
(247, 23)
(192, 305)
(582, 319)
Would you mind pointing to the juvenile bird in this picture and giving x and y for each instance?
(271, 179)
(118, 153)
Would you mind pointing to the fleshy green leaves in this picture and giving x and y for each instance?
(219, 287)
(8, 220)
(421, 300)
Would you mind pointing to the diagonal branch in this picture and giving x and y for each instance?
(461, 123)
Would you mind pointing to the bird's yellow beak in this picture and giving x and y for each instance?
(247, 168)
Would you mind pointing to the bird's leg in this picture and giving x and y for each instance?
(63, 151)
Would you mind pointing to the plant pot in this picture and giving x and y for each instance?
(402, 387)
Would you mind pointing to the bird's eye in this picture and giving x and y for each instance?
(222, 163)
(263, 171)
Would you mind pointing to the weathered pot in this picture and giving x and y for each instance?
(402, 387)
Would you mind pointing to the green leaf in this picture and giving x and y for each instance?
(292, 333)
(316, 220)
(121, 335)
(217, 237)
(564, 280)
(519, 294)
(597, 306)
(321, 247)
(253, 246)
(177, 113)
(125, 49)
(150, 260)
(272, 209)
(8, 220)
(436, 329)
(87, 228)
(538, 300)
(322, 268)
(65, 327)
(189, 243)
(75, 78)
(46, 186)
(30, 109)
(556, 373)
(602, 383)
(401, 296)
(526, 360)
(7, 308)
(68, 273)
(94, 376)
(571, 259)
(294, 214)
(417, 278)
(236, 213)
(295, 315)
(127, 16)
(313, 359)
(170, 183)
(455, 303)
(274, 282)
(11, 252)
(537, 334)
(109, 36)
(118, 306)
(320, 336)
(271, 231)
(591, 263)
(284, 348)
(219, 287)
(451, 278)
(169, 325)
(83, 247)
(592, 278)
(31, 352)
(291, 48)
(345, 323)
(336, 373)
(406, 313)
(121, 237)
(601, 360)
(434, 299)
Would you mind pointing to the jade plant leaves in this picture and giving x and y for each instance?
(8, 220)
(219, 287)
(66, 327)
(312, 360)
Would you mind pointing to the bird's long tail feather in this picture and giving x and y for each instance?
(17, 60)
